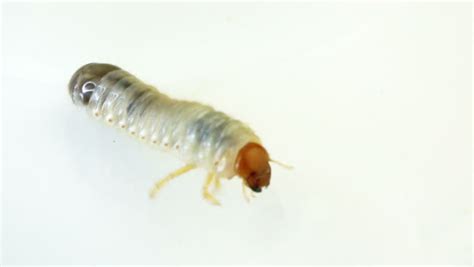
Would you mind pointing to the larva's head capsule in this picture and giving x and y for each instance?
(85, 80)
(252, 164)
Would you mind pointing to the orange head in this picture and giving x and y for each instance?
(252, 164)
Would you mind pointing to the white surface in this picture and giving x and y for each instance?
(370, 103)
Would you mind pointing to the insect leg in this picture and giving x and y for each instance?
(217, 183)
(158, 185)
(245, 191)
(205, 189)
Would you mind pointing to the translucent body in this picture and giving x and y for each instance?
(196, 133)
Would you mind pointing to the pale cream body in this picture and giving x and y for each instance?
(196, 133)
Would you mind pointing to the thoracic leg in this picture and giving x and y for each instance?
(245, 191)
(217, 183)
(205, 189)
(158, 185)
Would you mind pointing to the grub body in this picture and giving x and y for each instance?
(196, 133)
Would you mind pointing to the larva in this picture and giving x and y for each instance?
(196, 133)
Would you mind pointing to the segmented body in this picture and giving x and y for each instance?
(197, 133)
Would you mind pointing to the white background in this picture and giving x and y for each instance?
(370, 103)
